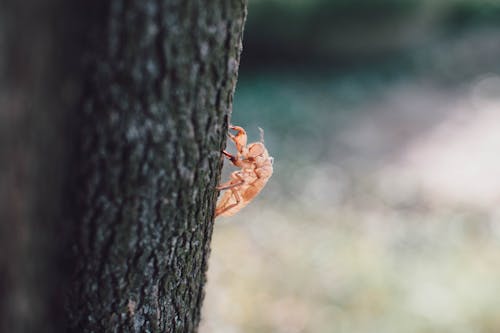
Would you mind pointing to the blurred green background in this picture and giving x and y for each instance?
(383, 213)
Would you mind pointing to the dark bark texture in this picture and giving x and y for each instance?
(124, 246)
(154, 122)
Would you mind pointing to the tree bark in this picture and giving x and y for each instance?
(155, 115)
(158, 83)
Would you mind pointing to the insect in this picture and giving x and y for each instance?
(256, 167)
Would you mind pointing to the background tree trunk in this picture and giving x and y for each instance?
(158, 85)
(36, 95)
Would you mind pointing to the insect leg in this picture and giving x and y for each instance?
(240, 139)
(236, 197)
(232, 158)
(230, 184)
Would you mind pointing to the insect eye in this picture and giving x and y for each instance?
(271, 159)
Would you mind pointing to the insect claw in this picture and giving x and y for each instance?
(232, 158)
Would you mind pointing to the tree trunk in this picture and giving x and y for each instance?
(158, 85)
(36, 97)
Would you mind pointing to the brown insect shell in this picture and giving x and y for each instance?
(256, 168)
(249, 154)
(260, 160)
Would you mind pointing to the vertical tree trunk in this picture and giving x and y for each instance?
(36, 96)
(155, 110)
(158, 85)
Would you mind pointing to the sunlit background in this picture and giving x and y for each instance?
(383, 213)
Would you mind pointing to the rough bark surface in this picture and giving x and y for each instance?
(136, 224)
(154, 122)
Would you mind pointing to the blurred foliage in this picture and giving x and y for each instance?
(467, 13)
(329, 246)
(345, 237)
(342, 32)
